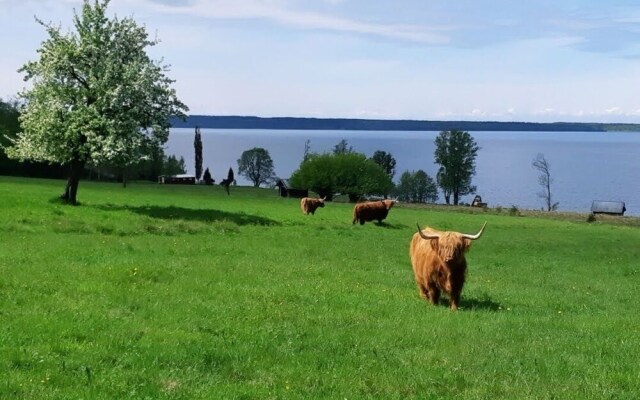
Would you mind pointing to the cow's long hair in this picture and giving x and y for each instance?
(439, 264)
(450, 245)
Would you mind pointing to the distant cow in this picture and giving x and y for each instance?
(439, 263)
(372, 211)
(309, 205)
(225, 184)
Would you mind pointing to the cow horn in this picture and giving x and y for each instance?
(426, 237)
(477, 235)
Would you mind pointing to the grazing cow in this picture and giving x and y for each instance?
(309, 205)
(439, 263)
(372, 211)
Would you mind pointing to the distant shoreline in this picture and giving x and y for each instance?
(291, 123)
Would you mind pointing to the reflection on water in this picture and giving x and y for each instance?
(585, 166)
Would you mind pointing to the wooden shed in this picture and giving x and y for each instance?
(286, 191)
(608, 207)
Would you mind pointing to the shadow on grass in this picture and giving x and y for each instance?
(59, 200)
(190, 214)
(471, 304)
(387, 225)
(484, 304)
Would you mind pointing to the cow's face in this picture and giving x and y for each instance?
(450, 246)
(388, 203)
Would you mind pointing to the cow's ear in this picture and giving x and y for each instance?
(466, 243)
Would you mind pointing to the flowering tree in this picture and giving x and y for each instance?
(96, 96)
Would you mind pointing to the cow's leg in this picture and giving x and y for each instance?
(361, 221)
(453, 304)
(456, 290)
(422, 291)
(456, 282)
(434, 294)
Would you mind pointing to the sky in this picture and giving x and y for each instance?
(485, 60)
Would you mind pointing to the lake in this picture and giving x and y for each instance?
(585, 166)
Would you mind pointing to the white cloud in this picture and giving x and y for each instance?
(276, 12)
(614, 110)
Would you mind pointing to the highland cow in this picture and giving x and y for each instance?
(372, 211)
(309, 205)
(439, 263)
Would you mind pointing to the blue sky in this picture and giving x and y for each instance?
(543, 60)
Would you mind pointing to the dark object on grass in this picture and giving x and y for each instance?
(227, 182)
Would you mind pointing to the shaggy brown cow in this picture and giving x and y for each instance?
(439, 263)
(309, 205)
(372, 211)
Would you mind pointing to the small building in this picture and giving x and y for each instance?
(286, 191)
(181, 179)
(608, 207)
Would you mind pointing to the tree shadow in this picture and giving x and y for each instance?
(60, 201)
(191, 214)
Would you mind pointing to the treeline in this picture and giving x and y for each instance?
(155, 163)
(241, 122)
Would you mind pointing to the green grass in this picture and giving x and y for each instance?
(182, 292)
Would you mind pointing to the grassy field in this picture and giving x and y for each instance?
(159, 291)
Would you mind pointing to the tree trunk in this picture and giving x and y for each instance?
(456, 198)
(124, 177)
(69, 195)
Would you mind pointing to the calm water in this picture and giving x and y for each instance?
(585, 166)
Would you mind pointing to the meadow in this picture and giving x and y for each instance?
(182, 292)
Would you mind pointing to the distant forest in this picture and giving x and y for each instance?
(240, 122)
